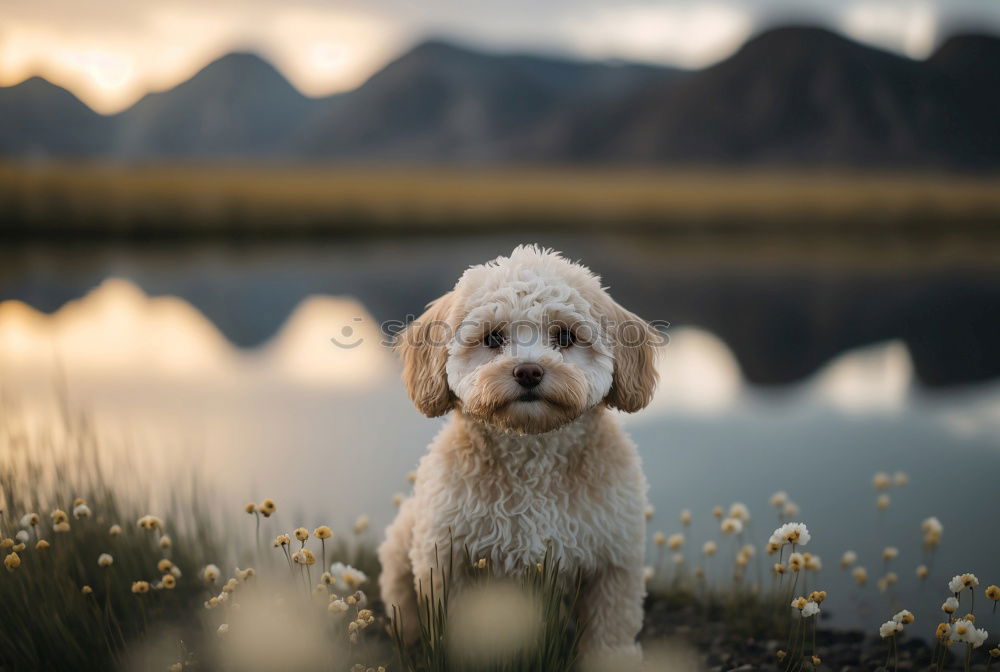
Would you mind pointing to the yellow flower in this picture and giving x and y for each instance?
(212, 602)
(717, 511)
(59, 516)
(282, 540)
(995, 653)
(922, 572)
(79, 501)
(889, 553)
(61, 527)
(361, 524)
(245, 574)
(882, 503)
(105, 560)
(481, 564)
(12, 562)
(267, 507)
(659, 539)
(817, 596)
(301, 534)
(176, 667)
(860, 575)
(86, 590)
(780, 654)
(799, 602)
(685, 517)
(993, 593)
(779, 568)
(115, 530)
(250, 508)
(397, 499)
(7, 543)
(675, 541)
(230, 586)
(18, 548)
(168, 581)
(648, 512)
(816, 660)
(307, 557)
(322, 532)
(42, 545)
(140, 587)
(411, 476)
(165, 541)
(164, 565)
(327, 579)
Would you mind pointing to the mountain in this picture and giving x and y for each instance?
(794, 96)
(42, 119)
(444, 102)
(806, 96)
(238, 105)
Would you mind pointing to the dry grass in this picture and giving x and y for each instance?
(109, 198)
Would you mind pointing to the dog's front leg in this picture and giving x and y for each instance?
(611, 610)
(396, 580)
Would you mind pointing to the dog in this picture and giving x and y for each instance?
(527, 353)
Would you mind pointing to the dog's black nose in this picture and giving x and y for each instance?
(528, 375)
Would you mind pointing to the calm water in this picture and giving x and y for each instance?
(804, 371)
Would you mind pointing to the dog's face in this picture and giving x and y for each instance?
(528, 343)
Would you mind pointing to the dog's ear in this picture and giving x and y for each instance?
(634, 344)
(423, 346)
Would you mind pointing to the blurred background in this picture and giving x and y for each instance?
(200, 200)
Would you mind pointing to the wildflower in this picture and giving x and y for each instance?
(811, 609)
(881, 481)
(140, 587)
(889, 629)
(165, 541)
(301, 534)
(922, 572)
(12, 562)
(164, 565)
(229, 586)
(81, 511)
(58, 516)
(7, 543)
(731, 526)
(105, 560)
(816, 660)
(250, 507)
(890, 553)
(779, 499)
(42, 545)
(970, 581)
(397, 499)
(709, 548)
(995, 652)
(327, 579)
(904, 617)
(659, 539)
(349, 575)
(993, 593)
(22, 536)
(210, 573)
(223, 630)
(319, 590)
(176, 667)
(933, 530)
(780, 654)
(115, 530)
(791, 510)
(337, 606)
(168, 581)
(795, 561)
(212, 602)
(176, 571)
(30, 520)
(648, 512)
(779, 568)
(481, 564)
(812, 562)
(799, 603)
(943, 631)
(860, 575)
(950, 605)
(307, 557)
(848, 559)
(685, 517)
(882, 503)
(817, 596)
(282, 540)
(361, 524)
(61, 527)
(978, 637)
(791, 533)
(86, 590)
(18, 548)
(900, 478)
(267, 507)
(678, 558)
(411, 477)
(148, 522)
(699, 573)
(739, 511)
(245, 574)
(540, 567)
(717, 511)
(772, 547)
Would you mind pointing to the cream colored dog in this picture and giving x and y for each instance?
(528, 352)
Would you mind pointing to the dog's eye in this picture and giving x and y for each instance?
(493, 340)
(564, 338)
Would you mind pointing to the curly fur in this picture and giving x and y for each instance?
(507, 478)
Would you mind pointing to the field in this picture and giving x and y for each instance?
(95, 580)
(43, 198)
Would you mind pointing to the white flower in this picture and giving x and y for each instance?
(349, 575)
(811, 609)
(648, 513)
(880, 480)
(963, 630)
(731, 526)
(223, 630)
(685, 517)
(901, 478)
(115, 530)
(848, 559)
(22, 536)
(779, 499)
(29, 519)
(338, 606)
(950, 605)
(978, 637)
(791, 533)
(710, 548)
(931, 524)
(739, 511)
(105, 560)
(210, 573)
(675, 541)
(903, 617)
(81, 511)
(889, 629)
(647, 574)
(956, 585)
(791, 510)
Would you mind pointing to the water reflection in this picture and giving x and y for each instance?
(329, 432)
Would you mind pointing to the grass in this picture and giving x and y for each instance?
(292, 612)
(39, 199)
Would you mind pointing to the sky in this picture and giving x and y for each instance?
(111, 52)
